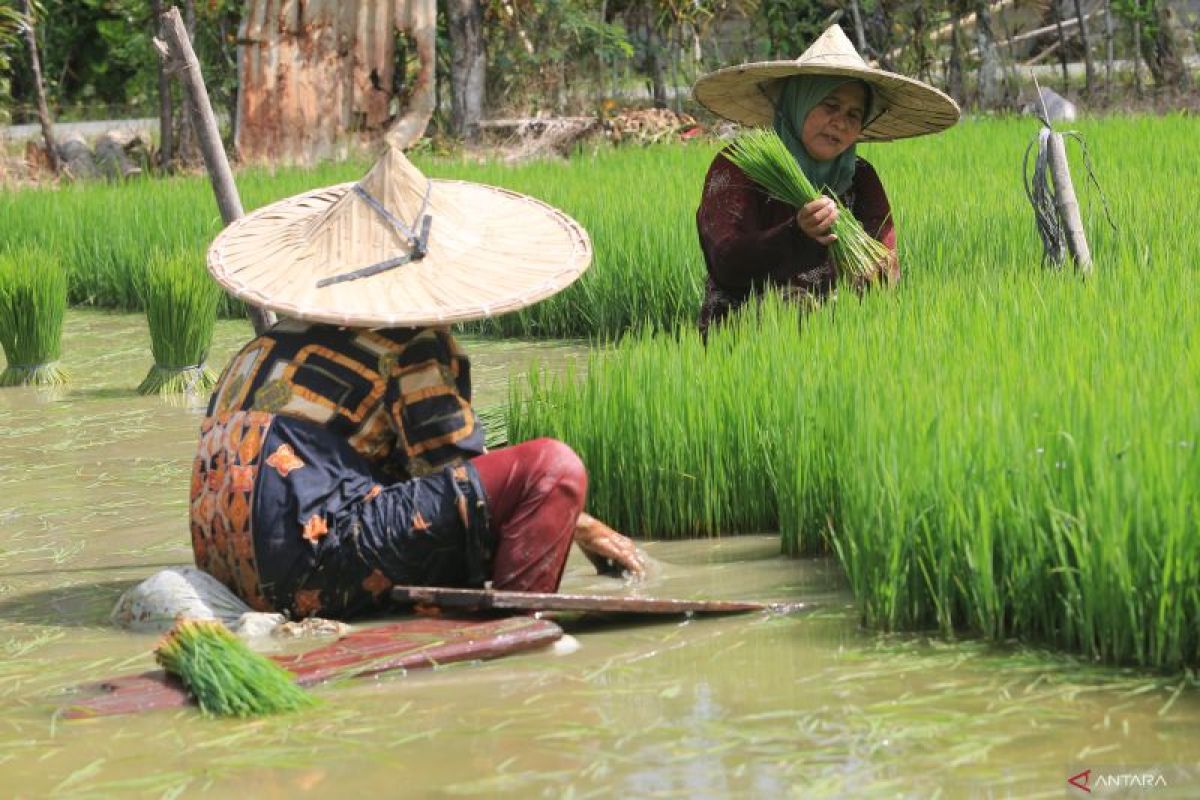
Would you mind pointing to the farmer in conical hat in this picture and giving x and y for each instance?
(821, 105)
(340, 453)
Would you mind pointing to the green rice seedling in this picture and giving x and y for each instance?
(225, 676)
(33, 301)
(763, 156)
(638, 205)
(181, 306)
(495, 423)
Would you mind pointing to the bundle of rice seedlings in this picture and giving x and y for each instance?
(181, 305)
(763, 156)
(33, 302)
(495, 424)
(225, 676)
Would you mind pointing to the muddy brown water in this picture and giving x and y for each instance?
(93, 486)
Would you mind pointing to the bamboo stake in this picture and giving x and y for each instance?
(1068, 206)
(179, 50)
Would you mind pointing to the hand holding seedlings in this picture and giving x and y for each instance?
(816, 219)
(610, 552)
(886, 272)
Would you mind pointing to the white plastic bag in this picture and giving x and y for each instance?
(155, 603)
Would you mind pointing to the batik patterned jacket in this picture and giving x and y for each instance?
(309, 419)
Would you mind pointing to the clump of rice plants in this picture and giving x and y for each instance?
(763, 156)
(181, 306)
(1007, 456)
(33, 302)
(225, 676)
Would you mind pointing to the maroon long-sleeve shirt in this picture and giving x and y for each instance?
(751, 241)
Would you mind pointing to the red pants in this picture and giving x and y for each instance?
(535, 493)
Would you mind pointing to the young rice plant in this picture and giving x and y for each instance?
(33, 301)
(181, 306)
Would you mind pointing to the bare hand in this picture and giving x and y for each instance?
(606, 548)
(816, 219)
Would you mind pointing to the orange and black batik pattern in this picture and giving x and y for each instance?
(399, 397)
(224, 475)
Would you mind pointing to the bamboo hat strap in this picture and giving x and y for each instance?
(416, 236)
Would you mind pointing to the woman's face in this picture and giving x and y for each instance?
(835, 123)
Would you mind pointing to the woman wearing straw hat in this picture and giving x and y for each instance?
(340, 454)
(821, 105)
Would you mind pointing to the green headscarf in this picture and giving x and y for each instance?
(800, 94)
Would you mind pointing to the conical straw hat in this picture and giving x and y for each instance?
(351, 254)
(906, 107)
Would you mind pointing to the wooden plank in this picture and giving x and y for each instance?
(409, 644)
(492, 599)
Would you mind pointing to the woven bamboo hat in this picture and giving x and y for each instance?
(905, 107)
(397, 249)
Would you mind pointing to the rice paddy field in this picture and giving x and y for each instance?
(991, 475)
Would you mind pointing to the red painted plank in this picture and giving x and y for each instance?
(409, 644)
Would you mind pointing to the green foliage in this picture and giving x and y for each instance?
(181, 306)
(85, 58)
(97, 58)
(536, 48)
(10, 32)
(225, 676)
(33, 302)
(791, 26)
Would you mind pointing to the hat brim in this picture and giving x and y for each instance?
(747, 93)
(491, 251)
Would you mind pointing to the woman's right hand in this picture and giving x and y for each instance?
(816, 219)
(609, 551)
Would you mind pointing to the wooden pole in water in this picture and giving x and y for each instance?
(178, 50)
(1068, 206)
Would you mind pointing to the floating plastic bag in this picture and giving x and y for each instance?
(155, 603)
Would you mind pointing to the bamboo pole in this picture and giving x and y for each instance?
(179, 50)
(1068, 206)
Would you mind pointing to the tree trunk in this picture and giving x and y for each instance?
(859, 34)
(1056, 7)
(1137, 50)
(954, 71)
(419, 19)
(188, 150)
(166, 131)
(317, 76)
(468, 66)
(1172, 72)
(654, 59)
(39, 87)
(1086, 40)
(989, 57)
(1108, 48)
